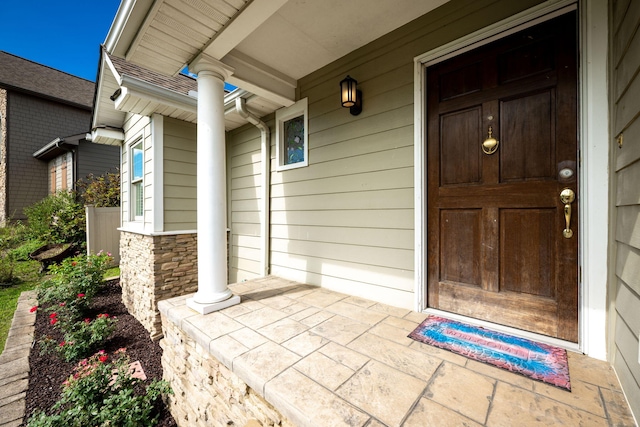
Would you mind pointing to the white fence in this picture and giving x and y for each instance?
(102, 231)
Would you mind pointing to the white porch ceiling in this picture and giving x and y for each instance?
(270, 43)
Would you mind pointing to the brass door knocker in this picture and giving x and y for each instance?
(490, 145)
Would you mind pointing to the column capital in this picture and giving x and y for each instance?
(204, 62)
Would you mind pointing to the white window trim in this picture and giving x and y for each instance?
(132, 195)
(282, 115)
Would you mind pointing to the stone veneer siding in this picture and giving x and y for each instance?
(206, 392)
(3, 157)
(153, 268)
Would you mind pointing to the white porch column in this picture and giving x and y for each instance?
(213, 293)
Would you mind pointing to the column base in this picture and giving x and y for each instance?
(214, 306)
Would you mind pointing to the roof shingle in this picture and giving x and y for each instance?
(179, 83)
(21, 74)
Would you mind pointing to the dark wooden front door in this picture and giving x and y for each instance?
(496, 247)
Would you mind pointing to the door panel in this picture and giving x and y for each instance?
(496, 250)
(527, 251)
(460, 258)
(460, 160)
(532, 153)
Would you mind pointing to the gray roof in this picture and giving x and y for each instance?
(179, 83)
(24, 75)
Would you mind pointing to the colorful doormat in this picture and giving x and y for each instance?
(535, 360)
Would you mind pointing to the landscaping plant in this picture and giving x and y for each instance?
(100, 191)
(67, 296)
(80, 338)
(79, 275)
(104, 393)
(10, 238)
(58, 218)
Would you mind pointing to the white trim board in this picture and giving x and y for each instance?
(594, 157)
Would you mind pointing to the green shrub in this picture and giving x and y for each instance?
(80, 275)
(80, 338)
(100, 191)
(58, 218)
(11, 236)
(94, 396)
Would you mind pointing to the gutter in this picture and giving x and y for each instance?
(265, 134)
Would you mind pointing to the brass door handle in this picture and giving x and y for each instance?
(567, 196)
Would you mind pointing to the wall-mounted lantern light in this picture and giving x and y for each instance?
(351, 97)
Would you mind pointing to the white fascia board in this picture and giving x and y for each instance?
(260, 79)
(125, 25)
(242, 25)
(133, 87)
(104, 65)
(112, 68)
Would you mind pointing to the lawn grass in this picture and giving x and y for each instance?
(112, 272)
(27, 278)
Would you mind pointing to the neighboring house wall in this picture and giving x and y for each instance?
(96, 159)
(179, 175)
(33, 122)
(346, 222)
(625, 96)
(244, 196)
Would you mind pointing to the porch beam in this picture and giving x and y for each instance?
(260, 79)
(241, 26)
(213, 293)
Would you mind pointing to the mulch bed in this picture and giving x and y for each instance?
(48, 371)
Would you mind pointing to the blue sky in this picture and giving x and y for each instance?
(62, 34)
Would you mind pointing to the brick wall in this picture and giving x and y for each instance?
(153, 268)
(206, 392)
(32, 123)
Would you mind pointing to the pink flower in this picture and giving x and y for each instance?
(54, 321)
(108, 253)
(103, 315)
(87, 320)
(121, 350)
(33, 309)
(62, 344)
(103, 358)
(62, 304)
(80, 295)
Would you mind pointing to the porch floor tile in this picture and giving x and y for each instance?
(324, 358)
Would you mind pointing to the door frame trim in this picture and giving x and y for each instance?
(593, 158)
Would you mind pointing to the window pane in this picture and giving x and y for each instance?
(294, 140)
(138, 161)
(138, 194)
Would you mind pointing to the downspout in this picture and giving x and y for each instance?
(265, 171)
